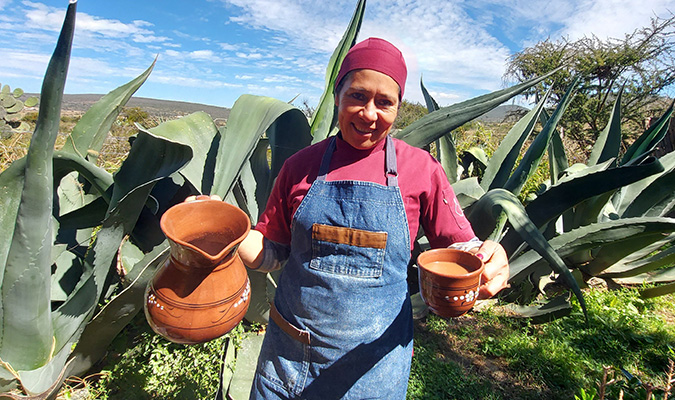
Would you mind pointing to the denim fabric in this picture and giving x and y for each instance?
(353, 301)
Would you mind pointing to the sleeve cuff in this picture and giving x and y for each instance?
(466, 246)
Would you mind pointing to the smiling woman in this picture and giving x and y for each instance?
(342, 217)
(367, 107)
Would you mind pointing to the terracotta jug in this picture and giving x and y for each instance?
(202, 291)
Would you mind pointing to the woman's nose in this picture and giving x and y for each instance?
(369, 112)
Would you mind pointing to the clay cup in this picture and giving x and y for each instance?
(449, 280)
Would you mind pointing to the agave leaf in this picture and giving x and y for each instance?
(656, 200)
(431, 103)
(100, 179)
(555, 308)
(247, 358)
(436, 124)
(661, 276)
(44, 382)
(150, 159)
(658, 291)
(92, 129)
(87, 216)
(528, 165)
(11, 184)
(644, 144)
(227, 368)
(498, 201)
(631, 265)
(576, 188)
(468, 191)
(594, 236)
(245, 188)
(627, 194)
(249, 118)
(259, 307)
(557, 158)
(608, 143)
(446, 152)
(324, 118)
(116, 314)
(198, 131)
(287, 134)
(504, 158)
(447, 155)
(25, 320)
(261, 176)
(611, 253)
(159, 158)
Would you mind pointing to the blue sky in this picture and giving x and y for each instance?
(213, 51)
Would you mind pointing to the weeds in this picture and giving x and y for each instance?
(504, 358)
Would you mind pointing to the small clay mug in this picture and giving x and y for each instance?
(449, 280)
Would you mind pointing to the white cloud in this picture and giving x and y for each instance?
(613, 18)
(250, 56)
(180, 80)
(147, 38)
(41, 16)
(444, 97)
(228, 47)
(196, 55)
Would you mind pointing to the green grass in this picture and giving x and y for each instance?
(483, 355)
(506, 358)
(143, 365)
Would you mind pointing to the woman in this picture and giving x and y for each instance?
(342, 217)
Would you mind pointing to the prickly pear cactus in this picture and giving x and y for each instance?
(10, 111)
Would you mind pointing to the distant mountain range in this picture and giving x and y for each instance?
(163, 108)
(169, 108)
(501, 113)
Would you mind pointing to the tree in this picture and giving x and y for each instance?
(408, 113)
(642, 61)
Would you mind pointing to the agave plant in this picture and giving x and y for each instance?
(589, 203)
(56, 263)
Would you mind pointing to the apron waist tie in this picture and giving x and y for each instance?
(297, 334)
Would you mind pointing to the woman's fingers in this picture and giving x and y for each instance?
(202, 197)
(496, 273)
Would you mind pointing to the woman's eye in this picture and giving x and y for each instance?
(357, 96)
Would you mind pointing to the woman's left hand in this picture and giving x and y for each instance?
(496, 274)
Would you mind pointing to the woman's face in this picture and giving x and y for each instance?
(367, 107)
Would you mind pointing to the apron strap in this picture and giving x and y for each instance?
(390, 162)
(325, 161)
(391, 168)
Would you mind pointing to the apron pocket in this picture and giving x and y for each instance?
(348, 251)
(283, 360)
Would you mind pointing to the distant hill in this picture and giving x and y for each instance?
(501, 113)
(162, 108)
(168, 108)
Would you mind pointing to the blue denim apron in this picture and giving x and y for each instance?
(343, 289)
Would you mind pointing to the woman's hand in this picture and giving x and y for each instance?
(496, 274)
(202, 197)
(250, 249)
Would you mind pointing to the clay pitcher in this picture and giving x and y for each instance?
(202, 291)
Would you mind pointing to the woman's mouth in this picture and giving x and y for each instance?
(363, 131)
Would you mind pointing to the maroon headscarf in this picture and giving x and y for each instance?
(376, 54)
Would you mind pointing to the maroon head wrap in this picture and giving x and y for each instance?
(376, 54)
